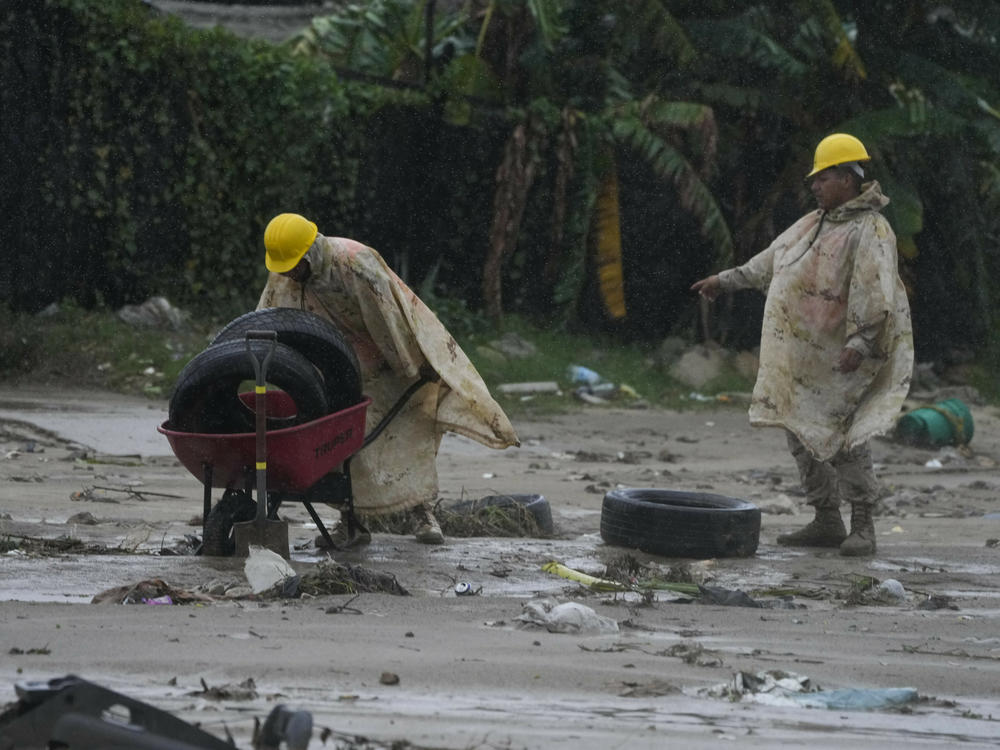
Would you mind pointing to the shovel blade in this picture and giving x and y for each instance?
(272, 535)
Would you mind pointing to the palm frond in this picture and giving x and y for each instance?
(608, 247)
(833, 31)
(698, 120)
(670, 164)
(659, 33)
(897, 122)
(734, 39)
(546, 14)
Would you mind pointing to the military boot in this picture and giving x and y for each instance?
(861, 542)
(341, 539)
(825, 530)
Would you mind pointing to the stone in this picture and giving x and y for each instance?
(699, 365)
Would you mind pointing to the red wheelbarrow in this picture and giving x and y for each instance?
(307, 463)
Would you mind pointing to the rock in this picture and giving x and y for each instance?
(746, 364)
(514, 346)
(491, 355)
(699, 365)
(670, 351)
(156, 312)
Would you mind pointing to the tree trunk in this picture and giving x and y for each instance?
(514, 179)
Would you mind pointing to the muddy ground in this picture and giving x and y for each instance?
(468, 675)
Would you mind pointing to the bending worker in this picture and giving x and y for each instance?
(836, 348)
(397, 340)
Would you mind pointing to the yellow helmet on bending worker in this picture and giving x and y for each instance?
(286, 239)
(839, 148)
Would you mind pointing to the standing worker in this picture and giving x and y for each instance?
(397, 340)
(836, 348)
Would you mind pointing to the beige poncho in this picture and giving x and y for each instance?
(395, 335)
(831, 281)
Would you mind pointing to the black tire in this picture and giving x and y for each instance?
(537, 505)
(235, 506)
(680, 524)
(206, 397)
(317, 339)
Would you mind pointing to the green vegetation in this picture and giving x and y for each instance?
(565, 161)
(93, 348)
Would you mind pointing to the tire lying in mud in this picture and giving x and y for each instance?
(680, 524)
(314, 337)
(235, 506)
(206, 396)
(536, 505)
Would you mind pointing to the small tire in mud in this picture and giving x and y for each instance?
(314, 337)
(536, 505)
(206, 397)
(235, 506)
(680, 524)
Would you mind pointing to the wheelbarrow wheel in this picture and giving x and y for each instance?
(206, 398)
(317, 339)
(235, 506)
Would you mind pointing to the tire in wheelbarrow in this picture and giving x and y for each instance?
(235, 506)
(536, 505)
(680, 524)
(206, 396)
(317, 339)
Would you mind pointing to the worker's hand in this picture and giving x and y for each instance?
(709, 288)
(850, 360)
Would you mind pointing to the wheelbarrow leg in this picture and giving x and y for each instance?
(319, 524)
(354, 525)
(207, 501)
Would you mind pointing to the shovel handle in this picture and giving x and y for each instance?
(260, 409)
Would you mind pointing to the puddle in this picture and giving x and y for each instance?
(76, 579)
(115, 428)
(918, 563)
(498, 567)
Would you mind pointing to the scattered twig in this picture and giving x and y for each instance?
(338, 609)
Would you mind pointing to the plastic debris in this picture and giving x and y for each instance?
(584, 375)
(568, 617)
(294, 728)
(598, 584)
(545, 386)
(726, 597)
(265, 569)
(890, 588)
(778, 688)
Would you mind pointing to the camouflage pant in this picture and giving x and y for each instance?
(848, 476)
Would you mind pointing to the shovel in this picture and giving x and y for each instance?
(270, 534)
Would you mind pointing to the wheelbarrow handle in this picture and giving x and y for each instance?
(396, 408)
(260, 409)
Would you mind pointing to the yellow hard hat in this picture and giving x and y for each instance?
(839, 148)
(286, 240)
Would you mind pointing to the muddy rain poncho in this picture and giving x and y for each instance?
(395, 336)
(831, 281)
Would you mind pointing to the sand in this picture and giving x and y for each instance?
(470, 675)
